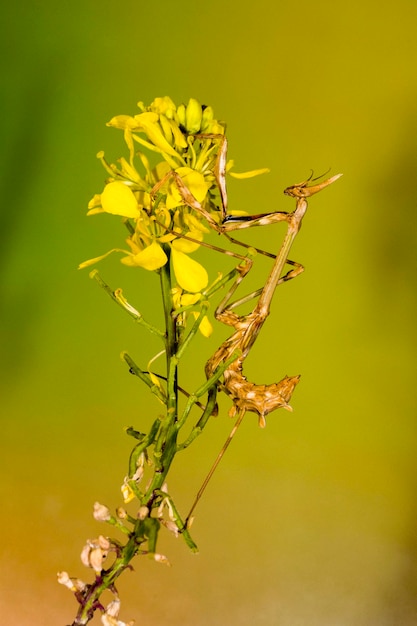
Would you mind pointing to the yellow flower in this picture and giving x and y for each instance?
(191, 276)
(151, 258)
(187, 300)
(118, 199)
(163, 106)
(161, 203)
(127, 492)
(205, 326)
(195, 183)
(185, 245)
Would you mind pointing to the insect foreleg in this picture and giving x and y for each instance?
(238, 222)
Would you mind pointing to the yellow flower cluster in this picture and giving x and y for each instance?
(150, 195)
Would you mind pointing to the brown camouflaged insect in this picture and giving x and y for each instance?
(247, 396)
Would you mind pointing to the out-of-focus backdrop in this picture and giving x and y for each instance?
(311, 521)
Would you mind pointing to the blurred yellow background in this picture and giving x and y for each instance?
(311, 521)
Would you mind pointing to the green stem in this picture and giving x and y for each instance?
(171, 339)
(179, 522)
(165, 446)
(142, 446)
(193, 330)
(135, 369)
(208, 412)
(160, 444)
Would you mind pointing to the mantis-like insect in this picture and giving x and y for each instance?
(247, 396)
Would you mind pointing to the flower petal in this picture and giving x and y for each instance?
(193, 181)
(129, 172)
(166, 128)
(127, 492)
(250, 174)
(178, 136)
(190, 275)
(148, 123)
(122, 122)
(190, 298)
(151, 258)
(187, 246)
(95, 201)
(98, 258)
(118, 199)
(205, 326)
(163, 106)
(194, 223)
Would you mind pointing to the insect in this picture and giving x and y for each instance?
(247, 396)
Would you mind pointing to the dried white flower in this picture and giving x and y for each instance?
(75, 584)
(113, 609)
(95, 552)
(101, 513)
(64, 579)
(161, 558)
(171, 526)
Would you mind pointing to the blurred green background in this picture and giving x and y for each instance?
(311, 521)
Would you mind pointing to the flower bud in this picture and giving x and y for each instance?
(64, 579)
(101, 513)
(193, 116)
(127, 492)
(95, 552)
(111, 614)
(104, 543)
(143, 512)
(161, 558)
(85, 554)
(181, 114)
(138, 475)
(171, 526)
(113, 609)
(208, 116)
(121, 513)
(163, 106)
(96, 557)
